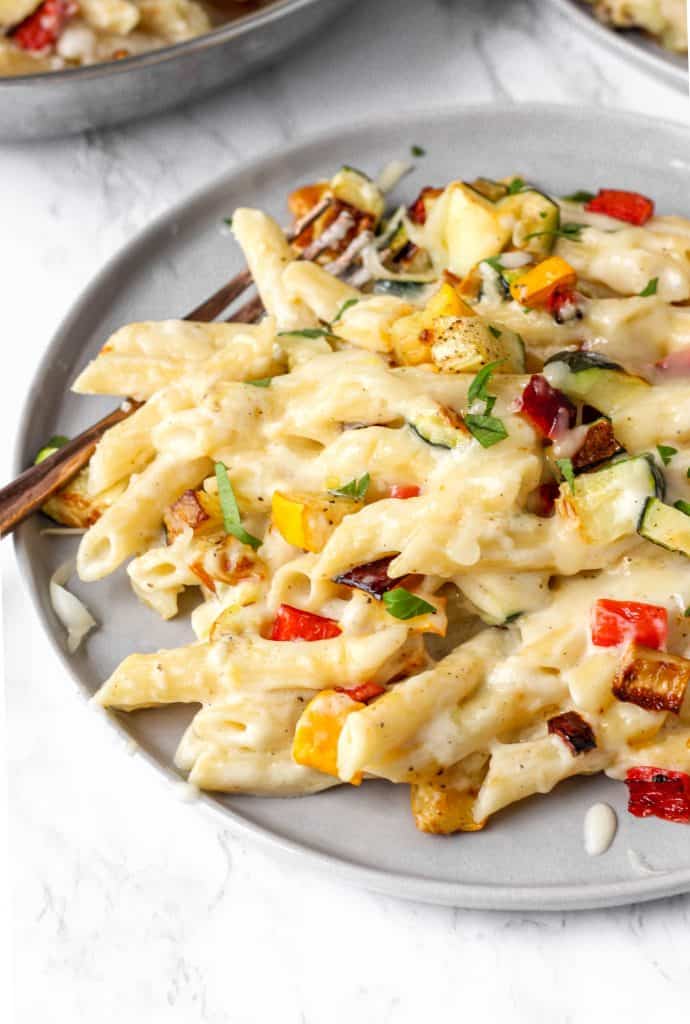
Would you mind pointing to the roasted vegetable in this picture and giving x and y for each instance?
(666, 526)
(659, 793)
(619, 622)
(440, 809)
(464, 344)
(575, 732)
(536, 286)
(628, 206)
(598, 445)
(652, 679)
(74, 505)
(318, 731)
(438, 424)
(307, 520)
(364, 693)
(372, 578)
(187, 511)
(549, 411)
(608, 503)
(295, 624)
(589, 377)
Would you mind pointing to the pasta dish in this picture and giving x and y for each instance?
(435, 503)
(50, 35)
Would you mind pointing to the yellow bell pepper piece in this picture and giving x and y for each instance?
(307, 520)
(535, 286)
(318, 730)
(447, 302)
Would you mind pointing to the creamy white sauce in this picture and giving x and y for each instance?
(640, 865)
(600, 828)
(565, 446)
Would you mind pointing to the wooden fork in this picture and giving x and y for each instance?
(35, 485)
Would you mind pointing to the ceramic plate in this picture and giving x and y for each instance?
(531, 856)
(636, 46)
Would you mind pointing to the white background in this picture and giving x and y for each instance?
(129, 905)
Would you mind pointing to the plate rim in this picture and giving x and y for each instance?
(653, 62)
(467, 895)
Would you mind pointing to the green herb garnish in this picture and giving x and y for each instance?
(343, 309)
(356, 489)
(682, 506)
(666, 453)
(307, 332)
(579, 197)
(417, 150)
(571, 231)
(495, 331)
(516, 185)
(477, 390)
(401, 604)
(495, 263)
(649, 288)
(567, 471)
(50, 447)
(686, 613)
(230, 509)
(260, 382)
(228, 221)
(488, 430)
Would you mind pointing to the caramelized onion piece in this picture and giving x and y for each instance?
(652, 679)
(574, 731)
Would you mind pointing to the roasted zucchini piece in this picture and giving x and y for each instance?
(609, 503)
(469, 226)
(652, 679)
(412, 290)
(437, 424)
(666, 526)
(465, 344)
(73, 505)
(538, 220)
(589, 377)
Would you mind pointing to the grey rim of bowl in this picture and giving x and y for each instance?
(471, 896)
(654, 61)
(232, 30)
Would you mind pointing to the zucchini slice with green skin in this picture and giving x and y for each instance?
(412, 290)
(588, 377)
(439, 425)
(609, 503)
(666, 526)
(356, 189)
(465, 344)
(491, 190)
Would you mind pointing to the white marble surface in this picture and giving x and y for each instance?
(130, 905)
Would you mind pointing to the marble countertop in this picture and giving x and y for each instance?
(129, 904)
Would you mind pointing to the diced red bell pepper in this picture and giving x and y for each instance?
(403, 491)
(42, 29)
(618, 622)
(364, 692)
(675, 364)
(294, 624)
(548, 410)
(628, 206)
(559, 300)
(418, 212)
(658, 793)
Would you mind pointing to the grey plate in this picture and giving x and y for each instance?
(530, 857)
(63, 102)
(637, 47)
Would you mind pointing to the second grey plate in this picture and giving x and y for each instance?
(531, 856)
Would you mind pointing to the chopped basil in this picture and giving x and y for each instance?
(666, 453)
(567, 471)
(307, 332)
(356, 489)
(516, 185)
(649, 288)
(50, 447)
(228, 221)
(343, 309)
(571, 231)
(686, 613)
(579, 197)
(401, 604)
(687, 472)
(682, 506)
(230, 509)
(260, 382)
(488, 430)
(495, 263)
(417, 150)
(495, 331)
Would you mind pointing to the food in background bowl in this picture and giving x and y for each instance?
(665, 20)
(53, 35)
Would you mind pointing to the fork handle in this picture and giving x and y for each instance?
(35, 485)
